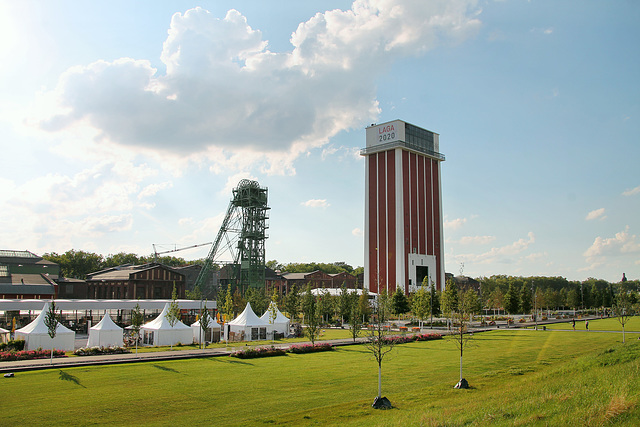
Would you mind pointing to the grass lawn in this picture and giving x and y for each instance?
(518, 377)
(610, 324)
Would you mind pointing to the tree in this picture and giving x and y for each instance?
(462, 337)
(355, 315)
(573, 298)
(364, 307)
(121, 258)
(326, 305)
(227, 306)
(258, 299)
(420, 303)
(469, 303)
(76, 264)
(622, 308)
(344, 304)
(311, 312)
(273, 309)
(173, 313)
(292, 303)
(205, 321)
(51, 322)
(377, 343)
(399, 302)
(450, 300)
(525, 299)
(136, 321)
(511, 300)
(496, 299)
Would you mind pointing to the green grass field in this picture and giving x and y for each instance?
(610, 324)
(518, 377)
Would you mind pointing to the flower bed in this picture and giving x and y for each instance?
(253, 352)
(7, 356)
(308, 348)
(93, 351)
(396, 339)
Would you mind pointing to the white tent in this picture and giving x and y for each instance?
(246, 327)
(160, 332)
(212, 333)
(36, 335)
(105, 334)
(4, 335)
(281, 322)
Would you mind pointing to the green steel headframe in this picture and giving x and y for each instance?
(242, 235)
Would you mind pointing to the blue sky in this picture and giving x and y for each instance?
(127, 124)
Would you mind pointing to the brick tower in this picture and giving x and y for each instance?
(403, 209)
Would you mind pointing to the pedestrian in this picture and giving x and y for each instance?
(573, 323)
(586, 324)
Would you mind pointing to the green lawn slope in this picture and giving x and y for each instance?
(518, 377)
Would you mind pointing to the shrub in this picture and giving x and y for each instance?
(308, 348)
(16, 345)
(93, 351)
(396, 339)
(253, 352)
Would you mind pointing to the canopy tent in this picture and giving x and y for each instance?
(212, 334)
(36, 334)
(160, 332)
(247, 326)
(105, 334)
(4, 335)
(281, 322)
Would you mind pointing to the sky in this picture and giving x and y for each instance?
(127, 124)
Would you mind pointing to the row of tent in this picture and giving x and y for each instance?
(157, 332)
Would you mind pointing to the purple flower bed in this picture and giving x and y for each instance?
(7, 356)
(253, 352)
(308, 348)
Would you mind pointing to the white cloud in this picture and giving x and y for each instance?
(502, 254)
(357, 232)
(596, 214)
(454, 224)
(632, 191)
(69, 209)
(316, 203)
(152, 189)
(225, 90)
(476, 240)
(621, 243)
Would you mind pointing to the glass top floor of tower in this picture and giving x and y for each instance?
(400, 134)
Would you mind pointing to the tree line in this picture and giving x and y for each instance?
(78, 264)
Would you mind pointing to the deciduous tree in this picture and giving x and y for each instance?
(311, 312)
(377, 343)
(51, 322)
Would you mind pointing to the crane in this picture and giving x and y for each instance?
(156, 253)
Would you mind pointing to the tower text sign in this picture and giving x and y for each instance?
(385, 133)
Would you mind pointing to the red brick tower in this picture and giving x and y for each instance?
(403, 209)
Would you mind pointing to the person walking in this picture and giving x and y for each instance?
(586, 324)
(573, 323)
